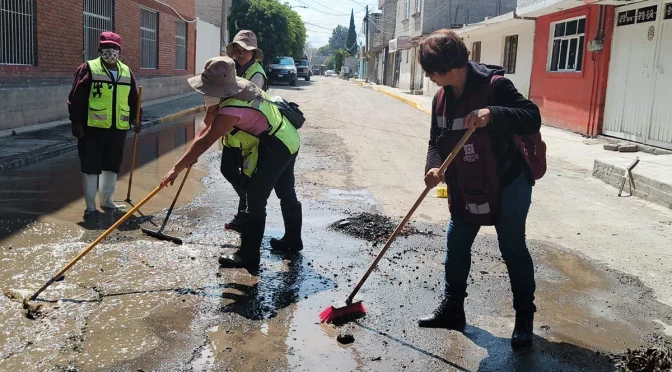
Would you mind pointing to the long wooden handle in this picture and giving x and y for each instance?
(403, 222)
(177, 194)
(135, 145)
(100, 238)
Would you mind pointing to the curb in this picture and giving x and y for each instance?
(21, 160)
(408, 101)
(645, 187)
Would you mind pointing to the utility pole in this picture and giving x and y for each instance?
(366, 44)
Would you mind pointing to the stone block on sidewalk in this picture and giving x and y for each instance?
(611, 146)
(628, 148)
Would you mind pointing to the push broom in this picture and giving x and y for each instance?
(135, 146)
(352, 306)
(123, 219)
(159, 234)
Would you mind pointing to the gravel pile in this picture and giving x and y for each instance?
(649, 359)
(371, 227)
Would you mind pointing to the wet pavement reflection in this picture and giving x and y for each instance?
(41, 190)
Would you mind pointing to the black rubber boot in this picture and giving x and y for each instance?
(249, 253)
(293, 218)
(523, 331)
(449, 315)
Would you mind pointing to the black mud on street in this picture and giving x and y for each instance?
(135, 303)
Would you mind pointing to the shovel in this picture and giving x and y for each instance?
(159, 234)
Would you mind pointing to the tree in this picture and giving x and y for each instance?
(280, 30)
(337, 38)
(297, 34)
(351, 41)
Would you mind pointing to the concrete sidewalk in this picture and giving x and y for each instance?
(652, 176)
(31, 144)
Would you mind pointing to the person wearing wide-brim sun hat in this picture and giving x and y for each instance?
(269, 143)
(247, 56)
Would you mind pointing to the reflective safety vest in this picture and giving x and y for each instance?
(108, 99)
(278, 126)
(254, 69)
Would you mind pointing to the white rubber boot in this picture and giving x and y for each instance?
(107, 184)
(90, 186)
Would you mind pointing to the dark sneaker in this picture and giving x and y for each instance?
(236, 224)
(449, 315)
(523, 330)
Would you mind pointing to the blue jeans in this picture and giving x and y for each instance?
(515, 203)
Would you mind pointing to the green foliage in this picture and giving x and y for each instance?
(351, 41)
(280, 30)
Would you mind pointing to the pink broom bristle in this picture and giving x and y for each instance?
(330, 314)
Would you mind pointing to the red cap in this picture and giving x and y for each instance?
(107, 37)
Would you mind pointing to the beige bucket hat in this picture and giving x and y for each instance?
(219, 79)
(247, 40)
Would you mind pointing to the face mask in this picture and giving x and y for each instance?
(110, 56)
(211, 101)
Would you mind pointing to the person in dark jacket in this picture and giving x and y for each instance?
(472, 98)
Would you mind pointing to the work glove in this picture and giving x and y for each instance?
(137, 126)
(78, 130)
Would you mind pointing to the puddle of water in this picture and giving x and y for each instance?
(44, 201)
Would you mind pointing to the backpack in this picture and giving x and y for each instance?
(532, 147)
(290, 110)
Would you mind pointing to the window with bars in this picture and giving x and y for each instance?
(567, 43)
(476, 51)
(180, 45)
(510, 54)
(17, 32)
(149, 39)
(98, 17)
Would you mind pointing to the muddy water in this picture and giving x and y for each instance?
(103, 299)
(44, 199)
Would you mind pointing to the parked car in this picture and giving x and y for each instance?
(283, 69)
(329, 73)
(302, 69)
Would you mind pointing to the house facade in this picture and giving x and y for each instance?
(49, 39)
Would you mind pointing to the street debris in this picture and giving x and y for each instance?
(649, 359)
(345, 338)
(372, 227)
(31, 311)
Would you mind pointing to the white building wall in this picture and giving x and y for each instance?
(405, 69)
(207, 43)
(492, 52)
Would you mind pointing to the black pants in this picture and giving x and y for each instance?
(275, 170)
(101, 150)
(232, 169)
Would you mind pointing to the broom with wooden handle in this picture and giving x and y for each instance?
(351, 306)
(92, 245)
(135, 146)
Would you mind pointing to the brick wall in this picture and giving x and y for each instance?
(60, 39)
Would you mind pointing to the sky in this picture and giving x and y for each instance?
(322, 16)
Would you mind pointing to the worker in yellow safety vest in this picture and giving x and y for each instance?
(247, 56)
(269, 146)
(102, 106)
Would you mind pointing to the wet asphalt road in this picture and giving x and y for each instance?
(138, 304)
